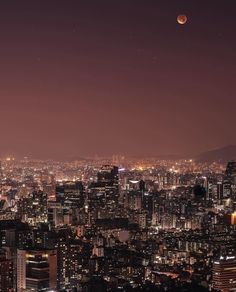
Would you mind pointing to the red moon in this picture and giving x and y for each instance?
(182, 19)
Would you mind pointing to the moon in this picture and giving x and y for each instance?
(182, 19)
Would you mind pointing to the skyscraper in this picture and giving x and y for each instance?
(70, 192)
(6, 272)
(36, 270)
(34, 209)
(224, 274)
(108, 174)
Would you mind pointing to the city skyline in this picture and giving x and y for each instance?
(80, 79)
(117, 146)
(148, 225)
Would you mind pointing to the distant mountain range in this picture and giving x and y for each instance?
(223, 154)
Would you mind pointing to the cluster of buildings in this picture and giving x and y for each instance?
(143, 225)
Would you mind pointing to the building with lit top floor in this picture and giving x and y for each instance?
(224, 274)
(36, 270)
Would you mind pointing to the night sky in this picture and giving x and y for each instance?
(81, 78)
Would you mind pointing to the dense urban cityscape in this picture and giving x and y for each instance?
(117, 146)
(117, 224)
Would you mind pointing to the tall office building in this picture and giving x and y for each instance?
(224, 274)
(55, 213)
(34, 208)
(108, 174)
(224, 190)
(104, 195)
(70, 193)
(6, 272)
(36, 270)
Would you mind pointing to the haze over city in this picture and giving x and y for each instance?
(106, 77)
(117, 146)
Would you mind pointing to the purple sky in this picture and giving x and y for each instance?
(101, 77)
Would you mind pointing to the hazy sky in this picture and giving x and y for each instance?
(100, 77)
